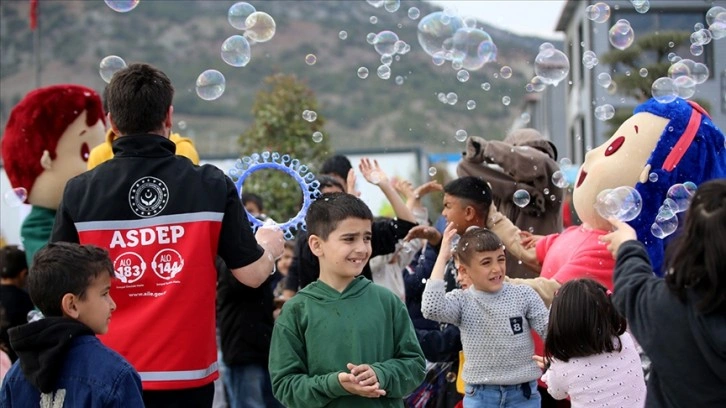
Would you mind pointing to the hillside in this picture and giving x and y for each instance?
(184, 37)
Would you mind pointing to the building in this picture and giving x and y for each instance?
(584, 94)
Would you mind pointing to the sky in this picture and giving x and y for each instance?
(538, 17)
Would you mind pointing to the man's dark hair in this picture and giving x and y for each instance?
(473, 191)
(338, 165)
(12, 262)
(329, 181)
(256, 199)
(138, 98)
(697, 260)
(64, 267)
(583, 321)
(329, 210)
(476, 240)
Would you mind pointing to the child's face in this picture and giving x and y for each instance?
(252, 208)
(283, 264)
(94, 310)
(347, 248)
(486, 270)
(456, 211)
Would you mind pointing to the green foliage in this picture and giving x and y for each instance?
(279, 127)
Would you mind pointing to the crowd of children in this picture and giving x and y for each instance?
(328, 328)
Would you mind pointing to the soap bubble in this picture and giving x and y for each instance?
(399, 80)
(664, 90)
(718, 30)
(452, 98)
(414, 13)
(375, 3)
(715, 14)
(663, 227)
(435, 29)
(604, 79)
(15, 197)
(486, 86)
(260, 27)
(373, 20)
(559, 179)
(552, 66)
(653, 177)
(642, 7)
(384, 71)
(311, 59)
(521, 198)
(701, 37)
(525, 117)
(343, 35)
(362, 72)
(598, 12)
(623, 203)
(122, 6)
(696, 49)
(589, 59)
(681, 196)
(317, 137)
(455, 241)
(391, 6)
(621, 35)
(109, 66)
(565, 162)
(538, 84)
(385, 42)
(506, 72)
(604, 112)
(371, 38)
(643, 72)
(386, 59)
(686, 86)
(546, 46)
(461, 135)
(450, 377)
(310, 115)
(506, 100)
(210, 85)
(432, 171)
(473, 48)
(236, 51)
(238, 13)
(470, 104)
(462, 75)
(699, 73)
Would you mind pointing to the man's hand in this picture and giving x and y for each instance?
(270, 237)
(622, 233)
(424, 232)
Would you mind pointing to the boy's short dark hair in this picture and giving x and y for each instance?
(60, 268)
(138, 99)
(476, 240)
(474, 191)
(338, 165)
(330, 209)
(12, 262)
(583, 321)
(256, 199)
(329, 181)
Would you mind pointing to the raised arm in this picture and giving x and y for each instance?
(373, 173)
(436, 304)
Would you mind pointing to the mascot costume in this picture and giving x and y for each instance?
(527, 161)
(659, 146)
(47, 141)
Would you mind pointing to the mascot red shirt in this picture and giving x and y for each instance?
(47, 141)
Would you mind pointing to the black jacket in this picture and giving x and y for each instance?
(305, 267)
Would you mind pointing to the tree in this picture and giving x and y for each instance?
(650, 52)
(279, 127)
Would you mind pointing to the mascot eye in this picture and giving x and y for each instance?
(615, 145)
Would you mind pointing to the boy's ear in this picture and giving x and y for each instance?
(69, 306)
(461, 268)
(469, 213)
(314, 242)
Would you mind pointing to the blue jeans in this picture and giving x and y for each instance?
(502, 396)
(249, 386)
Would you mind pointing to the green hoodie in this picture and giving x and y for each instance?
(320, 330)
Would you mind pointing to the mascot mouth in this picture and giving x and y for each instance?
(583, 174)
(85, 152)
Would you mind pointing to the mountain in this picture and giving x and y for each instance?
(183, 38)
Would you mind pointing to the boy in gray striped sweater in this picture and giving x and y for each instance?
(494, 317)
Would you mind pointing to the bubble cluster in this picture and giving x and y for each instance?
(521, 198)
(589, 59)
(122, 6)
(210, 85)
(109, 66)
(623, 203)
(677, 200)
(604, 112)
(15, 197)
(551, 65)
(310, 115)
(445, 35)
(621, 34)
(236, 51)
(716, 20)
(598, 12)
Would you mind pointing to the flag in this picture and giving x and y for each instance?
(33, 14)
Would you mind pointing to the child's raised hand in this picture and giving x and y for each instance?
(446, 240)
(350, 183)
(372, 172)
(623, 232)
(424, 232)
(426, 188)
(405, 188)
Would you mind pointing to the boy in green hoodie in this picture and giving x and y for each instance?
(343, 341)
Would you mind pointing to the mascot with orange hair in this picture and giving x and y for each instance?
(47, 141)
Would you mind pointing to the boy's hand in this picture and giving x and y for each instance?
(623, 232)
(372, 172)
(449, 233)
(424, 232)
(347, 381)
(364, 374)
(350, 183)
(426, 188)
(405, 188)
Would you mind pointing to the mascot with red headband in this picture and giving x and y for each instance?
(47, 141)
(661, 145)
